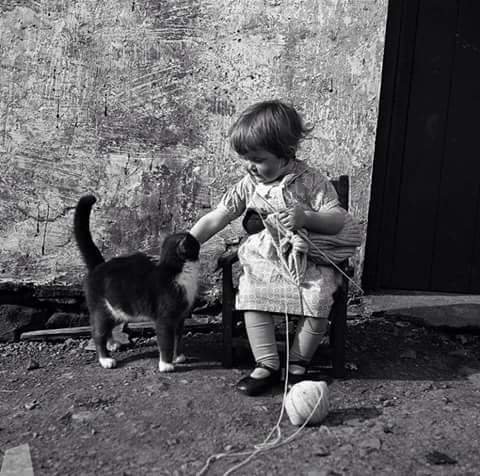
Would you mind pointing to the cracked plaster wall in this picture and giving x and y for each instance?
(132, 100)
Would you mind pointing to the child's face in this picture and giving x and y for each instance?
(264, 166)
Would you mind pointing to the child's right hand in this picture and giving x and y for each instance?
(299, 245)
(292, 218)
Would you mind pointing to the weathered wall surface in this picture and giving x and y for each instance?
(132, 100)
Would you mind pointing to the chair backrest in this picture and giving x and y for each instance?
(341, 185)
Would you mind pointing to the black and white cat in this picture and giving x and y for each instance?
(138, 287)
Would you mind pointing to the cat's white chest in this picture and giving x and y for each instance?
(188, 279)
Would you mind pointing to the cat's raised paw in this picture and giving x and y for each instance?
(180, 359)
(107, 362)
(113, 345)
(165, 367)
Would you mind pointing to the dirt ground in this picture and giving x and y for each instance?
(410, 404)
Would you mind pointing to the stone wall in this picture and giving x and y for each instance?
(132, 100)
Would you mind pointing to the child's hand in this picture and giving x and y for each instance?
(292, 218)
(299, 245)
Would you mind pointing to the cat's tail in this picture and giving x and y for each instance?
(81, 226)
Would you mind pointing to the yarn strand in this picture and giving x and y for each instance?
(310, 242)
(266, 445)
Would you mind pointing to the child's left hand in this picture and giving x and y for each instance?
(292, 218)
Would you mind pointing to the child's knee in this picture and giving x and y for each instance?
(258, 318)
(314, 325)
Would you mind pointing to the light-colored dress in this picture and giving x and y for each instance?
(263, 285)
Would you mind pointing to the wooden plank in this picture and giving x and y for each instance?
(84, 331)
(388, 92)
(395, 151)
(421, 169)
(456, 254)
(475, 267)
(133, 328)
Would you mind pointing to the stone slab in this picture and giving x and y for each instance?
(17, 462)
(456, 312)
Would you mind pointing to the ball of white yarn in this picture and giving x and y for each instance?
(307, 400)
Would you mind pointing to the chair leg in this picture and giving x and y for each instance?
(338, 331)
(227, 316)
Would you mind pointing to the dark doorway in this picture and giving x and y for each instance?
(424, 219)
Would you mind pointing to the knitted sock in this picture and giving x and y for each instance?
(261, 336)
(310, 331)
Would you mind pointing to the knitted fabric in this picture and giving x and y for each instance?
(322, 249)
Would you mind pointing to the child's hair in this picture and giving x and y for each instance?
(270, 125)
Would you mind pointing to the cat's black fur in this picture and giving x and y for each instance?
(138, 287)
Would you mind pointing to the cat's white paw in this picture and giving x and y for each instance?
(179, 359)
(107, 362)
(165, 367)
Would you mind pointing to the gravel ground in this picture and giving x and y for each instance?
(408, 405)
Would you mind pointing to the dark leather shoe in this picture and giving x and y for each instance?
(255, 386)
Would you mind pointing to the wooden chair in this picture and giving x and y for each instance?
(335, 351)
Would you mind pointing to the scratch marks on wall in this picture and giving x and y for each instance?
(44, 237)
(309, 54)
(154, 195)
(80, 82)
(132, 100)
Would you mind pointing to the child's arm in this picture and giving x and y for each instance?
(328, 222)
(210, 224)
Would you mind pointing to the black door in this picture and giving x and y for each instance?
(423, 231)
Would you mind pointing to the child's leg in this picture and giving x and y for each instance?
(261, 336)
(310, 331)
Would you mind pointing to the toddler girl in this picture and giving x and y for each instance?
(266, 137)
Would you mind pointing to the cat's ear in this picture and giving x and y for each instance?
(182, 247)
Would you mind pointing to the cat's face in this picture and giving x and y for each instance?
(180, 246)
